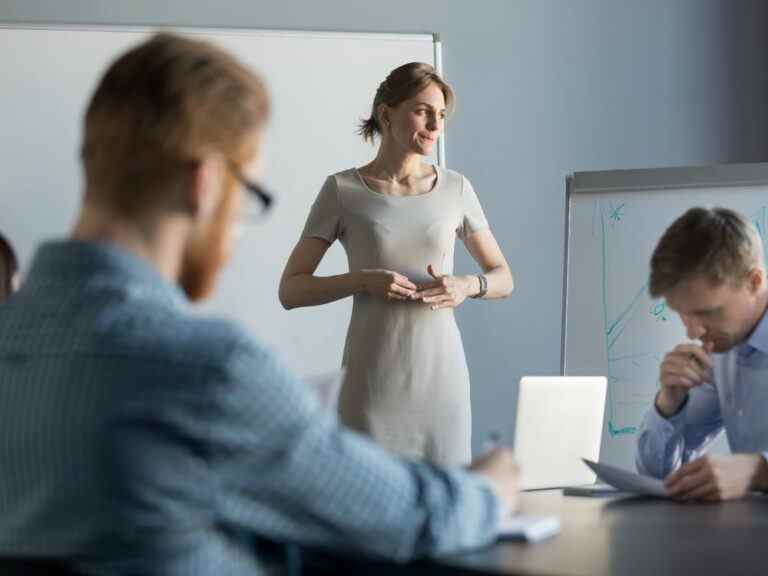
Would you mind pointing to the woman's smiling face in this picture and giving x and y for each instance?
(415, 124)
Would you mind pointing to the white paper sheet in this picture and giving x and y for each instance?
(628, 481)
(528, 528)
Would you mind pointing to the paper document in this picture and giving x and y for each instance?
(528, 528)
(628, 481)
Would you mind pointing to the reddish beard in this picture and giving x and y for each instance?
(200, 269)
(208, 251)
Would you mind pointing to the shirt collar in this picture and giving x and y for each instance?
(758, 340)
(100, 262)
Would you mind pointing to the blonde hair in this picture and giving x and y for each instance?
(402, 83)
(160, 105)
(716, 243)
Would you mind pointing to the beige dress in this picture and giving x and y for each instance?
(407, 383)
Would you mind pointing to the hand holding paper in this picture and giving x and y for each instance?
(627, 481)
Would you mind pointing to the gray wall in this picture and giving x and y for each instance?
(545, 88)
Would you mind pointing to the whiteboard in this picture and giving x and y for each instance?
(321, 85)
(611, 325)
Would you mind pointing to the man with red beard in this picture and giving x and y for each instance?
(139, 438)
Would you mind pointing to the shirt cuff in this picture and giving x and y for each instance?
(657, 421)
(500, 509)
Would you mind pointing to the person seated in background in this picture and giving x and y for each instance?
(709, 267)
(137, 437)
(9, 269)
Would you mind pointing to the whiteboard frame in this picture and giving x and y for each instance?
(679, 177)
(434, 37)
(438, 58)
(208, 30)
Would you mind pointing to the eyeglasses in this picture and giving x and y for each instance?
(266, 199)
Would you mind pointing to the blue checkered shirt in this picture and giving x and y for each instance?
(138, 437)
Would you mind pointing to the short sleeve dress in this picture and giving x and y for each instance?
(407, 383)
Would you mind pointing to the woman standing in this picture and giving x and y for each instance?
(407, 382)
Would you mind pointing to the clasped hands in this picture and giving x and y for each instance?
(441, 292)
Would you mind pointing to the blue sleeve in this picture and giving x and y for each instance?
(665, 443)
(287, 471)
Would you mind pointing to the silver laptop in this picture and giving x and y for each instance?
(559, 421)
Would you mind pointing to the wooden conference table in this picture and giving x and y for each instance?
(617, 536)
